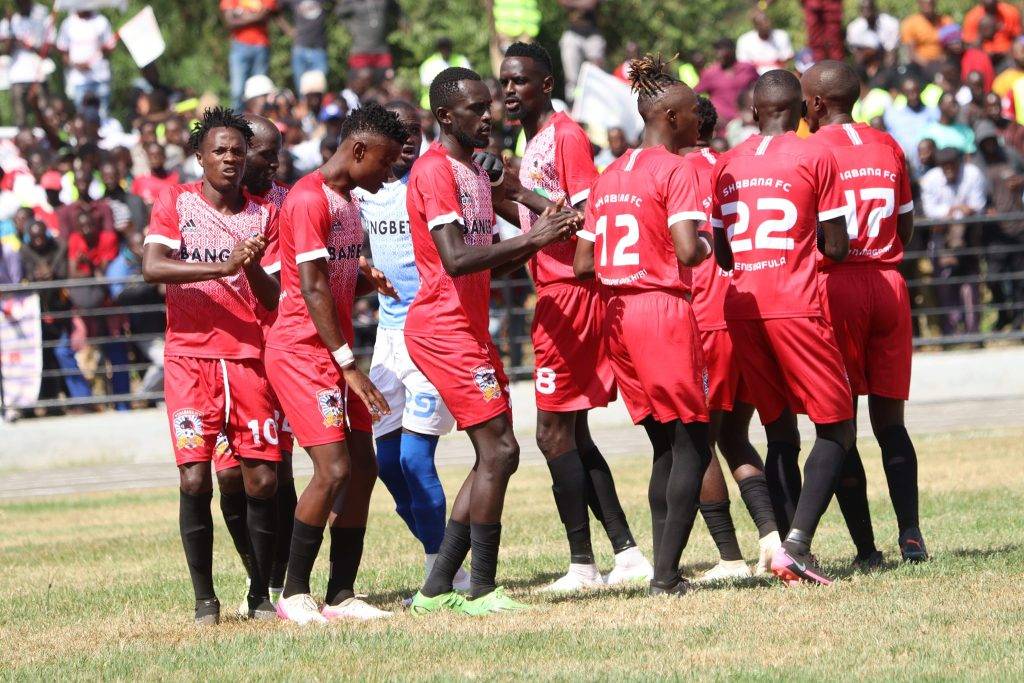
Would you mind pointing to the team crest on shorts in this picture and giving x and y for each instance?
(222, 444)
(331, 407)
(487, 382)
(188, 428)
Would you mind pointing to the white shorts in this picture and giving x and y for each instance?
(415, 403)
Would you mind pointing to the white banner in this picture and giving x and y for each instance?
(21, 349)
(89, 5)
(141, 35)
(603, 102)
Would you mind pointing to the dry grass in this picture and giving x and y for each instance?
(97, 588)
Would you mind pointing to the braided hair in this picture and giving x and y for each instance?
(649, 78)
(218, 117)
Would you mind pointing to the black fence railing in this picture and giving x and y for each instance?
(969, 295)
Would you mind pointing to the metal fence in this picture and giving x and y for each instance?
(971, 295)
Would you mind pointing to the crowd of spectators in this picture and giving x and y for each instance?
(77, 184)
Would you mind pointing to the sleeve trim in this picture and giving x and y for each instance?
(832, 213)
(586, 235)
(906, 208)
(305, 256)
(579, 197)
(445, 219)
(686, 216)
(160, 239)
(272, 268)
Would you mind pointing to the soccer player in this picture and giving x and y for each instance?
(573, 373)
(868, 301)
(407, 438)
(205, 243)
(770, 194)
(642, 216)
(312, 368)
(446, 330)
(730, 408)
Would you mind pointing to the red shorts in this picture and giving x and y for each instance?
(206, 396)
(466, 373)
(655, 351)
(870, 312)
(370, 60)
(572, 368)
(224, 458)
(725, 387)
(792, 363)
(316, 401)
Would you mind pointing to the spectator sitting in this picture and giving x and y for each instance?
(1007, 79)
(925, 157)
(90, 247)
(68, 216)
(1006, 23)
(725, 79)
(617, 146)
(920, 33)
(86, 39)
(766, 47)
(1010, 132)
(435, 64)
(175, 142)
(250, 42)
(27, 35)
(947, 132)
(975, 109)
(308, 33)
(580, 42)
(874, 28)
(159, 178)
(124, 205)
(968, 58)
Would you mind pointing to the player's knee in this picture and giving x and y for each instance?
(195, 480)
(230, 480)
(334, 476)
(506, 460)
(261, 483)
(553, 440)
(843, 433)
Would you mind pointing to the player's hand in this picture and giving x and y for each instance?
(241, 255)
(366, 391)
(381, 282)
(257, 246)
(492, 164)
(555, 224)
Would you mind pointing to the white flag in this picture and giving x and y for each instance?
(603, 102)
(141, 35)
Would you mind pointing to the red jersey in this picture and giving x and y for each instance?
(276, 196)
(316, 223)
(441, 191)
(709, 281)
(557, 164)
(875, 183)
(149, 187)
(770, 192)
(631, 206)
(215, 318)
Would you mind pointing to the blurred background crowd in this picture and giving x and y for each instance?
(88, 139)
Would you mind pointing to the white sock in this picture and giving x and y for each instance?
(585, 571)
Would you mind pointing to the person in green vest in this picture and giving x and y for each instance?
(516, 20)
(435, 64)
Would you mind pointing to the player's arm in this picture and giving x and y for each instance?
(265, 286)
(583, 261)
(691, 246)
(315, 284)
(905, 227)
(685, 214)
(159, 266)
(723, 250)
(834, 240)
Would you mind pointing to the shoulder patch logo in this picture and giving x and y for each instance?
(188, 428)
(487, 382)
(331, 407)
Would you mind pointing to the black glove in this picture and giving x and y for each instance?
(492, 164)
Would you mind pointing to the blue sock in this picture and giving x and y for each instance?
(428, 504)
(389, 469)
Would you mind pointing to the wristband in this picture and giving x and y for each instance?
(343, 356)
(500, 180)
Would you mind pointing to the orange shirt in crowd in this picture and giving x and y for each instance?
(254, 34)
(1008, 29)
(922, 36)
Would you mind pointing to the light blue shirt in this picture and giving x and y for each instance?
(386, 221)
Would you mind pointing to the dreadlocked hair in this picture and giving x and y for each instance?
(218, 117)
(373, 118)
(707, 118)
(533, 51)
(445, 85)
(648, 76)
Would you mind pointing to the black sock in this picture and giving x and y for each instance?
(261, 519)
(661, 467)
(346, 554)
(852, 494)
(900, 462)
(485, 539)
(232, 505)
(286, 501)
(196, 524)
(821, 472)
(568, 484)
(723, 532)
(782, 471)
(754, 492)
(454, 548)
(604, 500)
(305, 547)
(690, 457)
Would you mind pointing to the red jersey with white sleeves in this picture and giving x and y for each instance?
(631, 206)
(316, 223)
(557, 164)
(709, 281)
(215, 318)
(272, 258)
(441, 191)
(769, 193)
(876, 186)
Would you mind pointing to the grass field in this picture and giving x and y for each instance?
(95, 587)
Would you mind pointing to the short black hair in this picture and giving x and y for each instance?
(723, 43)
(533, 51)
(218, 117)
(445, 85)
(373, 118)
(707, 118)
